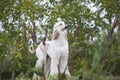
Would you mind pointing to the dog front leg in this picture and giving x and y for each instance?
(63, 65)
(54, 66)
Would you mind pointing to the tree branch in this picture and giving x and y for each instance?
(34, 32)
(25, 34)
(114, 26)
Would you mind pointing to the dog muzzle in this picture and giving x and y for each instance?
(65, 27)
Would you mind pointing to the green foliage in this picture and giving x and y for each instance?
(89, 59)
(92, 76)
(110, 54)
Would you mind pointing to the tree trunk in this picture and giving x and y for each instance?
(77, 31)
(13, 75)
(114, 26)
(25, 34)
(43, 72)
(33, 35)
(0, 77)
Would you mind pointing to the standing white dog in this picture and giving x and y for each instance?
(57, 50)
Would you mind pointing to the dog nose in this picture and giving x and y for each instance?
(65, 27)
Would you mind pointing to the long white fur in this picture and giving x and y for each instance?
(56, 49)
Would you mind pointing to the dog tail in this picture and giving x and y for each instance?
(31, 47)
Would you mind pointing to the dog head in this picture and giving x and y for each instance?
(59, 29)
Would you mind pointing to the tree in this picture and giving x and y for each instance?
(86, 28)
(86, 33)
(18, 22)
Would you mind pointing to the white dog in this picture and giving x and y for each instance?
(57, 50)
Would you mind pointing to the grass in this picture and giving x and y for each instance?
(86, 76)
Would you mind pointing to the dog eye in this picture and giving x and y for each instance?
(60, 23)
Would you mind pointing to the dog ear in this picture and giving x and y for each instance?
(56, 34)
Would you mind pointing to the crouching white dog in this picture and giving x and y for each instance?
(57, 50)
